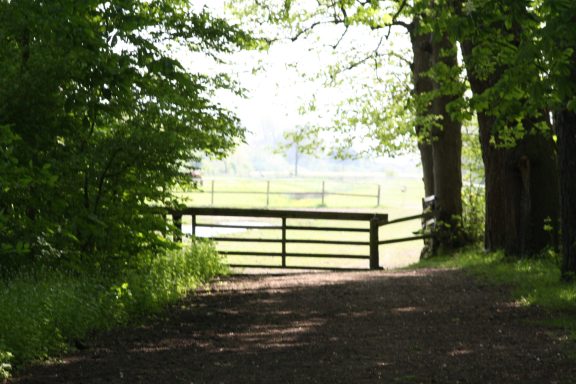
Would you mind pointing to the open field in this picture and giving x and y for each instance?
(398, 198)
(306, 193)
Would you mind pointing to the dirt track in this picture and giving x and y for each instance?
(427, 326)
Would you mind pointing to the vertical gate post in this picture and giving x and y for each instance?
(323, 192)
(374, 252)
(267, 193)
(283, 242)
(193, 225)
(177, 221)
(212, 194)
(378, 197)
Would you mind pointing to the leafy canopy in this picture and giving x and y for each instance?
(99, 119)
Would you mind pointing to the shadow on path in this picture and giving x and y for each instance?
(429, 326)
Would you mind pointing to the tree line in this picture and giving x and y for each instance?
(516, 79)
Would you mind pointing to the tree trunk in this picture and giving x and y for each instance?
(565, 124)
(422, 62)
(447, 155)
(521, 182)
(440, 149)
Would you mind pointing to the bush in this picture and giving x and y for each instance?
(45, 308)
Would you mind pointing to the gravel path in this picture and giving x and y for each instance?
(426, 326)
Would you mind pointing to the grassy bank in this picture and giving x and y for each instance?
(534, 282)
(44, 309)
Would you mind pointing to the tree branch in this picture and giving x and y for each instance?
(403, 24)
(372, 54)
(308, 29)
(341, 38)
(395, 17)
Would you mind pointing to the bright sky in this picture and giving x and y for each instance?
(276, 92)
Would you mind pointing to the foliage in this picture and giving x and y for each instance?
(98, 119)
(500, 45)
(363, 105)
(43, 308)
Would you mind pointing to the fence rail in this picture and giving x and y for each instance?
(322, 194)
(374, 222)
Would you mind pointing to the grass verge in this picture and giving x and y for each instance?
(534, 282)
(44, 309)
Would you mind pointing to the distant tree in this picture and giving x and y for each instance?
(301, 142)
(98, 120)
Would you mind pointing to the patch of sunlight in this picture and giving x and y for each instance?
(568, 294)
(525, 301)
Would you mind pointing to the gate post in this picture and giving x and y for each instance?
(374, 252)
(177, 221)
(283, 242)
(212, 194)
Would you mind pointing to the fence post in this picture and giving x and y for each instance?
(283, 242)
(267, 193)
(193, 225)
(374, 252)
(378, 197)
(323, 191)
(177, 221)
(212, 194)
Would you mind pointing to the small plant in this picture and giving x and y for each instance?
(5, 364)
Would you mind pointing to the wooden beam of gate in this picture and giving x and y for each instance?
(278, 213)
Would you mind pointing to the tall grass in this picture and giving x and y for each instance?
(43, 309)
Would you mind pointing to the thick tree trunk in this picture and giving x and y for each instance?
(422, 62)
(565, 124)
(447, 155)
(427, 168)
(521, 183)
(440, 149)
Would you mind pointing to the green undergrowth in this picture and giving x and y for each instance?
(44, 309)
(533, 281)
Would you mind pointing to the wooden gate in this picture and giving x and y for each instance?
(286, 222)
